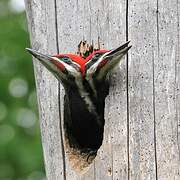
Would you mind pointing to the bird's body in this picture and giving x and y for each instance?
(84, 125)
(86, 87)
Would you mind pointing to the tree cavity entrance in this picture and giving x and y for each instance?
(83, 135)
(84, 125)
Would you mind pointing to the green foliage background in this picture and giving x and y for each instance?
(20, 146)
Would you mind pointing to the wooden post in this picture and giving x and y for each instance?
(142, 113)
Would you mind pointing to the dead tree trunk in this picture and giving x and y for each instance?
(141, 133)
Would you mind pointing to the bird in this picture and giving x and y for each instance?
(86, 87)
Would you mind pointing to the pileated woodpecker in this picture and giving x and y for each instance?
(86, 87)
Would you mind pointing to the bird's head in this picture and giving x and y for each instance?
(69, 68)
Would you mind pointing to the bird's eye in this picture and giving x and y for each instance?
(97, 54)
(65, 59)
(96, 57)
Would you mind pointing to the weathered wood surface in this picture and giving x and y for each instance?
(141, 138)
(42, 25)
(166, 92)
(142, 32)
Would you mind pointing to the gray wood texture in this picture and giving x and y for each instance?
(142, 124)
(142, 32)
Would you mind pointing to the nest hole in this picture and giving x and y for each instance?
(82, 147)
(83, 130)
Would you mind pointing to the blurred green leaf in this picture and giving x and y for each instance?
(20, 146)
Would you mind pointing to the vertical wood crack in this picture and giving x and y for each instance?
(59, 96)
(154, 116)
(157, 20)
(127, 83)
(176, 76)
(154, 103)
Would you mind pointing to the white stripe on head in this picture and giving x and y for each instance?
(69, 68)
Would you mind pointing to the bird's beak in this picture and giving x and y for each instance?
(120, 50)
(46, 60)
(41, 57)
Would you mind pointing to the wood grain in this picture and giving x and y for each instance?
(142, 113)
(42, 27)
(168, 153)
(142, 32)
